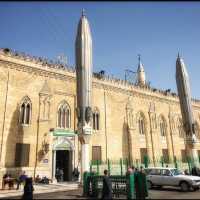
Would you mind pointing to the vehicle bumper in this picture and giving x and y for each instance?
(196, 185)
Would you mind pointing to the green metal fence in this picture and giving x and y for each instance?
(119, 167)
(122, 186)
(132, 186)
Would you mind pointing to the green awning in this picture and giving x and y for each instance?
(63, 132)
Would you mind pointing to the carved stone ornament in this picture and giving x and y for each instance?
(88, 114)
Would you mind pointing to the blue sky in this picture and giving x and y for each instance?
(120, 31)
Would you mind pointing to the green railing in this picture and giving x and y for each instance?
(93, 185)
(119, 167)
(131, 186)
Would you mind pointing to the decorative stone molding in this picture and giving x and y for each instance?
(44, 67)
(64, 93)
(37, 71)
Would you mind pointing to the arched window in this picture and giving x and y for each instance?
(162, 127)
(63, 116)
(25, 111)
(141, 125)
(96, 118)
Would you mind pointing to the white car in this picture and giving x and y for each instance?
(160, 176)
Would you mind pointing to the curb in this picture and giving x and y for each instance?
(47, 190)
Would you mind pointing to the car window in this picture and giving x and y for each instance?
(166, 172)
(176, 172)
(155, 172)
(147, 171)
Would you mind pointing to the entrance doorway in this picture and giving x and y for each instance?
(64, 162)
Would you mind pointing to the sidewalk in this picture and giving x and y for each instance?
(41, 188)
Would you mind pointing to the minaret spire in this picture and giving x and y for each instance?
(139, 58)
(184, 93)
(178, 57)
(83, 54)
(83, 12)
(140, 73)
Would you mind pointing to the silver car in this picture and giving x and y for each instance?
(160, 176)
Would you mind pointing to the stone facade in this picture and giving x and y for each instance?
(120, 107)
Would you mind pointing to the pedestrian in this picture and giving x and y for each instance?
(140, 184)
(194, 171)
(28, 189)
(57, 175)
(107, 186)
(76, 173)
(21, 179)
(129, 171)
(133, 169)
(37, 179)
(61, 175)
(186, 172)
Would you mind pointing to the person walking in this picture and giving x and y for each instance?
(107, 186)
(21, 179)
(28, 189)
(140, 184)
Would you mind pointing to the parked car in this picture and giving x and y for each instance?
(160, 176)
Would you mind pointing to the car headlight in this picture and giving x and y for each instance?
(194, 182)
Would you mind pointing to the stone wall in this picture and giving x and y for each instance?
(119, 103)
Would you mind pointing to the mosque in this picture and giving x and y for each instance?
(38, 118)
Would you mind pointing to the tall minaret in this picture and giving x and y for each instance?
(141, 80)
(84, 84)
(183, 87)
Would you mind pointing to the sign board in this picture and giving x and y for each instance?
(63, 132)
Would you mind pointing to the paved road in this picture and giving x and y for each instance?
(172, 193)
(164, 193)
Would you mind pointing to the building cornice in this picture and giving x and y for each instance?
(37, 71)
(41, 67)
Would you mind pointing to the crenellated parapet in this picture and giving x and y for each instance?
(43, 62)
(117, 84)
(53, 69)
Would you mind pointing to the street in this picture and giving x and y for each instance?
(164, 193)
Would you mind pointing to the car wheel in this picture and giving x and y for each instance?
(184, 186)
(149, 184)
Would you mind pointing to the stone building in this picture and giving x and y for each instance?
(38, 119)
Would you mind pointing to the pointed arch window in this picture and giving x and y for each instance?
(63, 116)
(96, 118)
(25, 111)
(141, 125)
